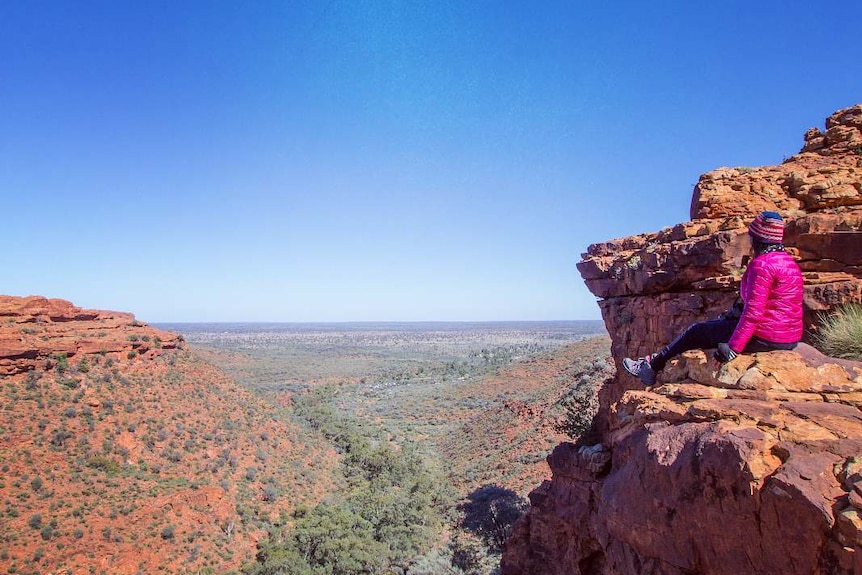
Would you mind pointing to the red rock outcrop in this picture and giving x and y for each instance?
(38, 331)
(751, 467)
(654, 285)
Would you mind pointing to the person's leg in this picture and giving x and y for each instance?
(703, 335)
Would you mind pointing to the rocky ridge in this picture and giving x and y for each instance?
(38, 331)
(122, 452)
(751, 467)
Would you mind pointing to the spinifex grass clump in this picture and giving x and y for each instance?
(840, 333)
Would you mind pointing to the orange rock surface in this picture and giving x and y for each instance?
(37, 330)
(714, 473)
(652, 286)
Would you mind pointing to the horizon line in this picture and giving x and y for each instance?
(372, 321)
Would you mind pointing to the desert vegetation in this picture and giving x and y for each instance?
(840, 333)
(108, 460)
(439, 433)
(390, 509)
(366, 449)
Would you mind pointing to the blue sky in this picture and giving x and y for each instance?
(380, 160)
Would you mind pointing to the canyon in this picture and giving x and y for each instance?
(127, 448)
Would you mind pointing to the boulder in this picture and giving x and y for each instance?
(709, 476)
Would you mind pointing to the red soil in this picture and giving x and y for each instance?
(121, 452)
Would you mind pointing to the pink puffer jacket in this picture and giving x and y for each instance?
(772, 291)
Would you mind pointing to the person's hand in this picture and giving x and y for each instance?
(723, 353)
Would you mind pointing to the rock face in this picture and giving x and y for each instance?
(38, 331)
(654, 285)
(752, 467)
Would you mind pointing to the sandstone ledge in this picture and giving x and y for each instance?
(752, 467)
(653, 285)
(36, 331)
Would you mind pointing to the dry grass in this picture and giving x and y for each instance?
(840, 333)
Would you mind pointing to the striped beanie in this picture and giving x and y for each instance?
(768, 228)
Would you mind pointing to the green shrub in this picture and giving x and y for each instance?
(270, 493)
(32, 381)
(581, 402)
(840, 333)
(69, 382)
(490, 512)
(62, 362)
(60, 436)
(103, 463)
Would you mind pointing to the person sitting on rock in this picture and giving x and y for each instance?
(769, 317)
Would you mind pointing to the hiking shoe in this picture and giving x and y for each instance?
(641, 369)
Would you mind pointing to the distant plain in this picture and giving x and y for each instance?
(480, 403)
(272, 356)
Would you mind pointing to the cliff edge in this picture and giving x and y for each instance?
(754, 466)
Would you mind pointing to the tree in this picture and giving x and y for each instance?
(490, 512)
(331, 540)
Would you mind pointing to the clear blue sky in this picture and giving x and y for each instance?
(347, 160)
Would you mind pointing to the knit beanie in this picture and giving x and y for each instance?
(768, 228)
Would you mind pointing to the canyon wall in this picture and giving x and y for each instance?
(750, 467)
(121, 452)
(39, 330)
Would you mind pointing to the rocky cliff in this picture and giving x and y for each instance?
(38, 331)
(121, 452)
(750, 467)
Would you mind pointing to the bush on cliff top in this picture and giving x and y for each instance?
(840, 333)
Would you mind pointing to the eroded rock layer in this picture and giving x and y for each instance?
(751, 467)
(654, 285)
(38, 331)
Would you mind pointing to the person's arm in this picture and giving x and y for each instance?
(756, 295)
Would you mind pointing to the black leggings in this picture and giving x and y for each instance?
(708, 334)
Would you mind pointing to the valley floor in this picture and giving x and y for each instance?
(481, 404)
